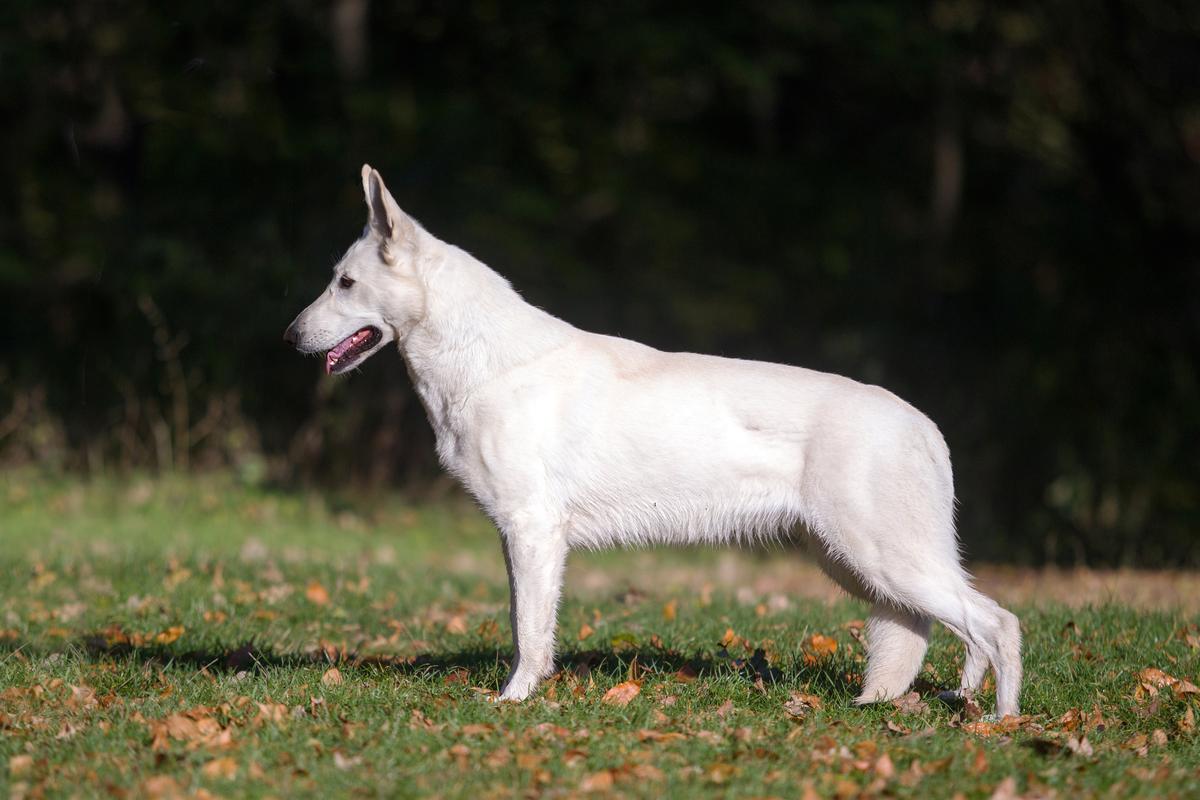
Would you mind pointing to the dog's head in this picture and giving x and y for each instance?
(375, 296)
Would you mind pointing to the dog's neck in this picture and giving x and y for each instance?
(474, 329)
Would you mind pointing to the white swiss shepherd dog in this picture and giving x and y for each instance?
(570, 439)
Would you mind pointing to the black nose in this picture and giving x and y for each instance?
(289, 335)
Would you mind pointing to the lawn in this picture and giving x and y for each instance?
(197, 638)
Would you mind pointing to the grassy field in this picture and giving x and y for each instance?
(198, 639)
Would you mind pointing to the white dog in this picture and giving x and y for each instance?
(570, 439)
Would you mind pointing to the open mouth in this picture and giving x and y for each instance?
(349, 352)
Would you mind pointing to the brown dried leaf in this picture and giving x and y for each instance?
(597, 782)
(221, 768)
(1187, 723)
(316, 593)
(800, 704)
(1080, 746)
(911, 703)
(720, 772)
(685, 674)
(670, 609)
(622, 694)
(646, 772)
(162, 787)
(20, 765)
(729, 639)
(171, 634)
(585, 631)
(1006, 789)
(820, 646)
(332, 677)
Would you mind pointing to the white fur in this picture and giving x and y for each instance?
(570, 439)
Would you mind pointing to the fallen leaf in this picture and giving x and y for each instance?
(461, 754)
(1006, 789)
(670, 608)
(1080, 746)
(1139, 743)
(498, 757)
(585, 631)
(1187, 722)
(169, 635)
(332, 677)
(800, 704)
(728, 639)
(344, 762)
(819, 647)
(20, 765)
(646, 772)
(685, 674)
(457, 624)
(884, 767)
(222, 768)
(162, 787)
(316, 593)
(720, 772)
(622, 694)
(911, 703)
(597, 782)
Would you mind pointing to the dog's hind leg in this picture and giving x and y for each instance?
(896, 638)
(990, 633)
(912, 585)
(896, 644)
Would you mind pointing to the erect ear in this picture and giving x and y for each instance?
(384, 217)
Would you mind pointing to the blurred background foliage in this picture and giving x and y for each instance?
(993, 211)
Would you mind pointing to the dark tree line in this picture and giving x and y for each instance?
(993, 211)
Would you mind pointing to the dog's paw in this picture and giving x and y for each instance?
(518, 688)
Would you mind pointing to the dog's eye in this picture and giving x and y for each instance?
(345, 282)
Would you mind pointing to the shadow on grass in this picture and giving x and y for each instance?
(479, 666)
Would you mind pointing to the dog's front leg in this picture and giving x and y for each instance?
(535, 557)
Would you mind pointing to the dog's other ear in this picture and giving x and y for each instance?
(384, 217)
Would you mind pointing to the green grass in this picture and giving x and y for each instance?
(175, 637)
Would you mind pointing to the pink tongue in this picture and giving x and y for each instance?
(340, 349)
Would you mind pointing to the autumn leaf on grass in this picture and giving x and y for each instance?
(720, 772)
(622, 694)
(197, 728)
(223, 768)
(670, 609)
(161, 787)
(169, 635)
(800, 704)
(316, 593)
(1187, 723)
(585, 631)
(911, 703)
(20, 765)
(819, 647)
(597, 782)
(332, 677)
(729, 639)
